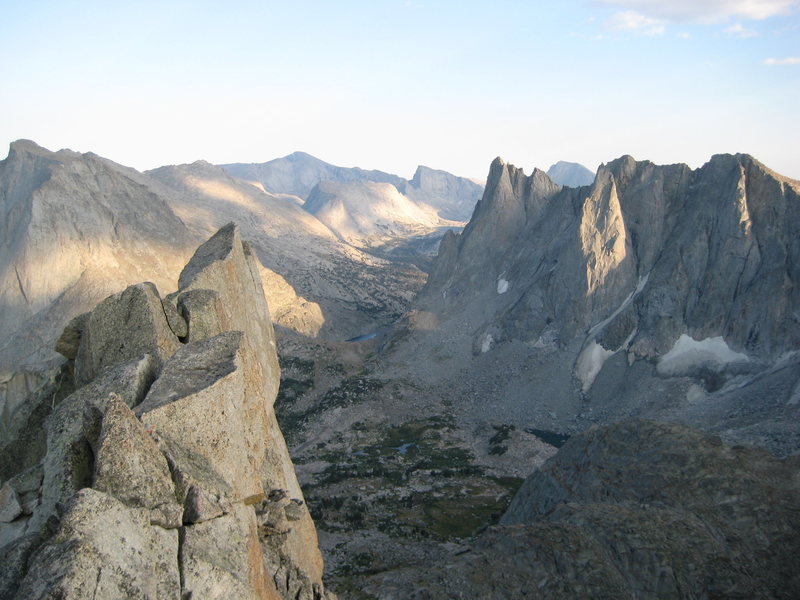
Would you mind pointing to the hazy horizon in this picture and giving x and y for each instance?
(391, 85)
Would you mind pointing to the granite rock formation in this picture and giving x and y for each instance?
(655, 290)
(164, 473)
(298, 173)
(76, 229)
(329, 288)
(638, 510)
(452, 197)
(366, 213)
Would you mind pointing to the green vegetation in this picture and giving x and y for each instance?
(496, 445)
(349, 391)
(296, 364)
(416, 455)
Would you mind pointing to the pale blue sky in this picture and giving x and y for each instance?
(395, 83)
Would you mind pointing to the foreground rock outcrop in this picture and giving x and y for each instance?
(165, 474)
(639, 510)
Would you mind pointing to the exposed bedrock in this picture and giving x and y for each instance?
(165, 474)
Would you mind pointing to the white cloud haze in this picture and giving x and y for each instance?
(739, 30)
(631, 20)
(706, 11)
(791, 60)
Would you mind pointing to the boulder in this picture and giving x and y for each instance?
(10, 507)
(124, 327)
(199, 399)
(203, 313)
(27, 484)
(175, 320)
(104, 549)
(199, 488)
(129, 466)
(73, 430)
(222, 558)
(69, 341)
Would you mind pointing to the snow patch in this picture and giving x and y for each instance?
(688, 355)
(695, 394)
(486, 345)
(590, 361)
(593, 357)
(502, 285)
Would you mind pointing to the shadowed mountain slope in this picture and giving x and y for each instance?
(638, 510)
(658, 291)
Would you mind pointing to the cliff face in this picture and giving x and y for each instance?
(165, 474)
(76, 228)
(650, 292)
(650, 252)
(453, 197)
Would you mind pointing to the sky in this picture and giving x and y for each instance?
(390, 84)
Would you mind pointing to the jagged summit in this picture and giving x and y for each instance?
(169, 440)
(655, 277)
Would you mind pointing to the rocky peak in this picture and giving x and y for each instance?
(639, 220)
(76, 228)
(638, 292)
(21, 147)
(500, 214)
(171, 443)
(539, 188)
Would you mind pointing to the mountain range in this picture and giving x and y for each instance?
(452, 197)
(659, 291)
(78, 226)
(516, 414)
